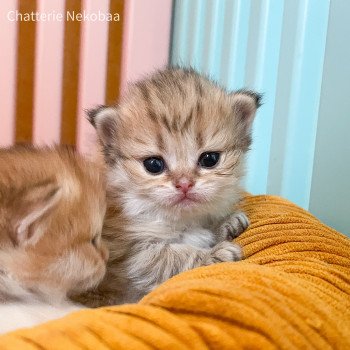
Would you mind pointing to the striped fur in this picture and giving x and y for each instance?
(175, 114)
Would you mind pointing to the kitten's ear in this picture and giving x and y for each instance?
(30, 208)
(245, 104)
(104, 120)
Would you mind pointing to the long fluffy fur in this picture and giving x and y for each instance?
(176, 114)
(52, 206)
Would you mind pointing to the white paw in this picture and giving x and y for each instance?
(224, 251)
(234, 225)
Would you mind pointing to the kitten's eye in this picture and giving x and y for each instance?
(154, 165)
(209, 159)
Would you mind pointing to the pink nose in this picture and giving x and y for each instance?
(184, 185)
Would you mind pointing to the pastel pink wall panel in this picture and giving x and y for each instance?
(93, 67)
(48, 78)
(146, 37)
(145, 26)
(8, 35)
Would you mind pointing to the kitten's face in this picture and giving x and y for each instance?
(51, 232)
(78, 259)
(176, 145)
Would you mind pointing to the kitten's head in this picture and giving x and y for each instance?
(176, 144)
(52, 206)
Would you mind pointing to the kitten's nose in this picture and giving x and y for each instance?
(184, 184)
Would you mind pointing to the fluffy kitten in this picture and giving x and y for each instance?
(175, 149)
(52, 205)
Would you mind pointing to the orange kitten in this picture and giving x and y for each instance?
(52, 205)
(175, 148)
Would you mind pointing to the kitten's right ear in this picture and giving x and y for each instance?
(245, 104)
(104, 120)
(31, 206)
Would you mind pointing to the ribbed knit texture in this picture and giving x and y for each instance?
(291, 292)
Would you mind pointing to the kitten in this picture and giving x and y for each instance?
(52, 206)
(175, 148)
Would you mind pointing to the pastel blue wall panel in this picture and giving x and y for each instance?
(235, 41)
(182, 38)
(267, 44)
(330, 188)
(306, 72)
(276, 47)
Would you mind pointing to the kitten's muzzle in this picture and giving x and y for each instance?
(183, 184)
(187, 199)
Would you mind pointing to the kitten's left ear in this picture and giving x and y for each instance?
(245, 104)
(30, 208)
(104, 120)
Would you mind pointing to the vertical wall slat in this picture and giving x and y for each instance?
(92, 71)
(330, 190)
(305, 97)
(70, 77)
(195, 33)
(267, 58)
(25, 73)
(114, 60)
(146, 37)
(234, 50)
(213, 32)
(277, 47)
(180, 35)
(282, 105)
(8, 37)
(48, 75)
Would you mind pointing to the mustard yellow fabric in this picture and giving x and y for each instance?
(291, 292)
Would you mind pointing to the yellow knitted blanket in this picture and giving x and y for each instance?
(291, 292)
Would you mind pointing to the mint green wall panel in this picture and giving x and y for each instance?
(279, 48)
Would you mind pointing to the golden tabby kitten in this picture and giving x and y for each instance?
(52, 205)
(175, 148)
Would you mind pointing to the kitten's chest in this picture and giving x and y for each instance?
(197, 237)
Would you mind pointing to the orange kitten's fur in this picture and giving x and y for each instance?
(161, 224)
(52, 205)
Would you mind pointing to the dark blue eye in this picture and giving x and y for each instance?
(209, 159)
(154, 165)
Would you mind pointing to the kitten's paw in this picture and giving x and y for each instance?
(234, 225)
(224, 251)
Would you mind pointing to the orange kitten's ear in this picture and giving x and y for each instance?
(245, 104)
(104, 120)
(30, 208)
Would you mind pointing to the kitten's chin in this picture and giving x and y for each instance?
(187, 200)
(186, 203)
(195, 206)
(181, 207)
